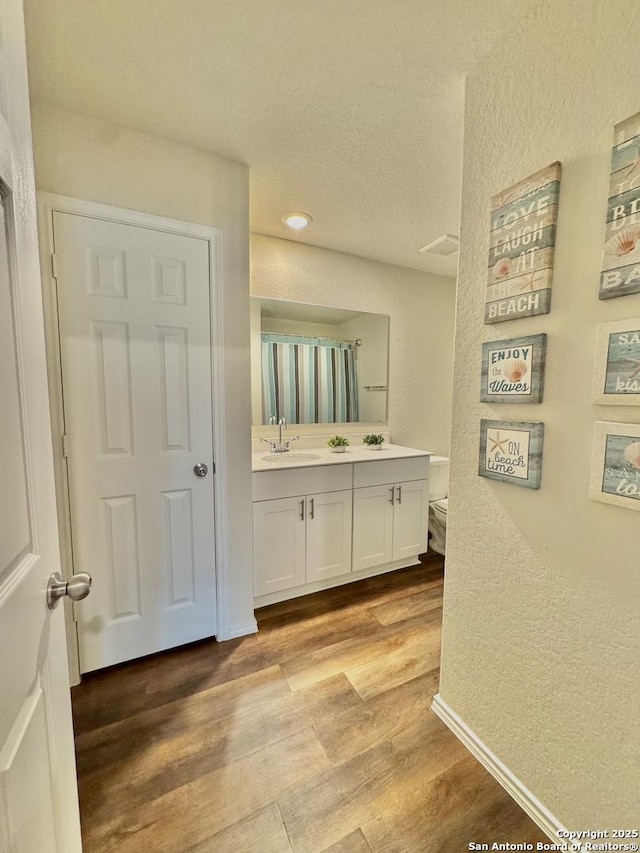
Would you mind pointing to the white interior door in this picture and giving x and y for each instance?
(134, 314)
(38, 794)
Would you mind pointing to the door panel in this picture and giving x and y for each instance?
(372, 527)
(179, 546)
(113, 377)
(15, 542)
(38, 793)
(411, 514)
(328, 535)
(27, 796)
(136, 362)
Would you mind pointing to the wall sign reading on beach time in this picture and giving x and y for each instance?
(523, 234)
(615, 466)
(621, 255)
(513, 370)
(511, 451)
(616, 378)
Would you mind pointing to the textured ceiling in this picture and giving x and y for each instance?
(351, 110)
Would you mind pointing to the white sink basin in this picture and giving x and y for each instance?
(291, 456)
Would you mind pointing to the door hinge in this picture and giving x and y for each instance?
(65, 446)
(54, 265)
(213, 467)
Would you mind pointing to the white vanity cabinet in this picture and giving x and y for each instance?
(390, 511)
(303, 537)
(328, 519)
(328, 524)
(279, 545)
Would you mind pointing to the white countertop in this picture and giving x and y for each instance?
(265, 461)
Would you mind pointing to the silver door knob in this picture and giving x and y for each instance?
(77, 587)
(200, 469)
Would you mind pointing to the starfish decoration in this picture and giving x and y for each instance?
(636, 371)
(527, 284)
(634, 163)
(497, 444)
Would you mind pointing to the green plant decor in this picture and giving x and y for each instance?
(373, 439)
(338, 441)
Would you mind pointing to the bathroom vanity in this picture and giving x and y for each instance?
(322, 519)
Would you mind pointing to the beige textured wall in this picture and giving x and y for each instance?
(84, 158)
(541, 643)
(421, 310)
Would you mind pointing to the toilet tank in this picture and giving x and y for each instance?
(438, 477)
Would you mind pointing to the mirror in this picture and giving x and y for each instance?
(314, 364)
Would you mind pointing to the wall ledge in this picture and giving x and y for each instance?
(514, 787)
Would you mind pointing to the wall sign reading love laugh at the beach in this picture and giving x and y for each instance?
(521, 244)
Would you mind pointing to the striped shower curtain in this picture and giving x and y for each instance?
(308, 380)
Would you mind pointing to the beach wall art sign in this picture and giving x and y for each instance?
(511, 452)
(621, 254)
(615, 469)
(513, 370)
(521, 246)
(616, 378)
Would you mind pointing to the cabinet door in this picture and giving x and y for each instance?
(410, 519)
(278, 544)
(372, 527)
(328, 535)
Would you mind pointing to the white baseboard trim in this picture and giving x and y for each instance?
(241, 629)
(513, 786)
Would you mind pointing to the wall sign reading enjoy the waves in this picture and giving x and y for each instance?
(513, 370)
(621, 255)
(521, 244)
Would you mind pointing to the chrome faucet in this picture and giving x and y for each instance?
(280, 447)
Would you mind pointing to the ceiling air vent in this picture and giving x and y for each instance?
(445, 245)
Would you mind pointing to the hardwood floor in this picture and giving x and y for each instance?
(313, 735)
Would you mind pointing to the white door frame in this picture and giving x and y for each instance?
(48, 204)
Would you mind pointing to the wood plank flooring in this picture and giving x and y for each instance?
(314, 735)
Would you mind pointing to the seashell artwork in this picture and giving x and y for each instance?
(502, 268)
(622, 243)
(515, 369)
(632, 454)
(615, 465)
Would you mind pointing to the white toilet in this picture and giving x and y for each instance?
(438, 502)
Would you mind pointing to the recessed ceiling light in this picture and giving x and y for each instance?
(297, 220)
